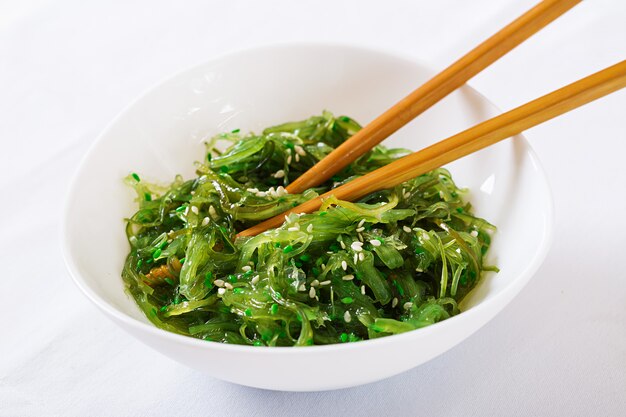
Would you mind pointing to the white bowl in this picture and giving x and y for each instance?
(161, 134)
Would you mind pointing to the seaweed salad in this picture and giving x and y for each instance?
(397, 260)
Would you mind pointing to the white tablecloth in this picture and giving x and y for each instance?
(68, 66)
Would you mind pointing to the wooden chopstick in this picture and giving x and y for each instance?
(471, 140)
(431, 92)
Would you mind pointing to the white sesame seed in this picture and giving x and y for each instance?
(293, 229)
(343, 245)
(194, 210)
(219, 282)
(221, 291)
(344, 265)
(246, 268)
(281, 191)
(205, 221)
(406, 229)
(193, 193)
(363, 289)
(361, 256)
(261, 194)
(355, 258)
(361, 223)
(289, 160)
(212, 212)
(474, 233)
(300, 150)
(315, 283)
(360, 236)
(347, 317)
(327, 282)
(252, 190)
(425, 236)
(302, 288)
(375, 242)
(349, 277)
(312, 292)
(357, 246)
(309, 228)
(297, 158)
(360, 229)
(279, 174)
(407, 306)
(288, 151)
(394, 302)
(419, 270)
(255, 280)
(228, 285)
(406, 195)
(323, 266)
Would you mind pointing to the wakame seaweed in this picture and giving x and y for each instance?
(397, 260)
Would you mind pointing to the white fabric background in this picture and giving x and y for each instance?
(68, 66)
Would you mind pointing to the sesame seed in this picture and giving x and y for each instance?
(323, 266)
(360, 229)
(212, 212)
(205, 221)
(302, 287)
(407, 306)
(363, 289)
(361, 223)
(327, 282)
(406, 229)
(312, 292)
(474, 233)
(194, 210)
(347, 277)
(361, 256)
(441, 194)
(419, 270)
(425, 236)
(355, 258)
(281, 191)
(309, 228)
(406, 195)
(261, 194)
(360, 236)
(252, 190)
(219, 282)
(279, 174)
(357, 246)
(255, 279)
(394, 302)
(315, 283)
(347, 317)
(288, 151)
(221, 291)
(343, 245)
(300, 150)
(228, 285)
(289, 160)
(297, 158)
(344, 265)
(375, 242)
(293, 229)
(458, 250)
(246, 268)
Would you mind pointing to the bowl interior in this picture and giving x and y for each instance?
(162, 133)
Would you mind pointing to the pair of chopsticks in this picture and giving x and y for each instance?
(471, 140)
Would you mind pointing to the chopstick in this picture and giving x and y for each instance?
(432, 91)
(471, 140)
